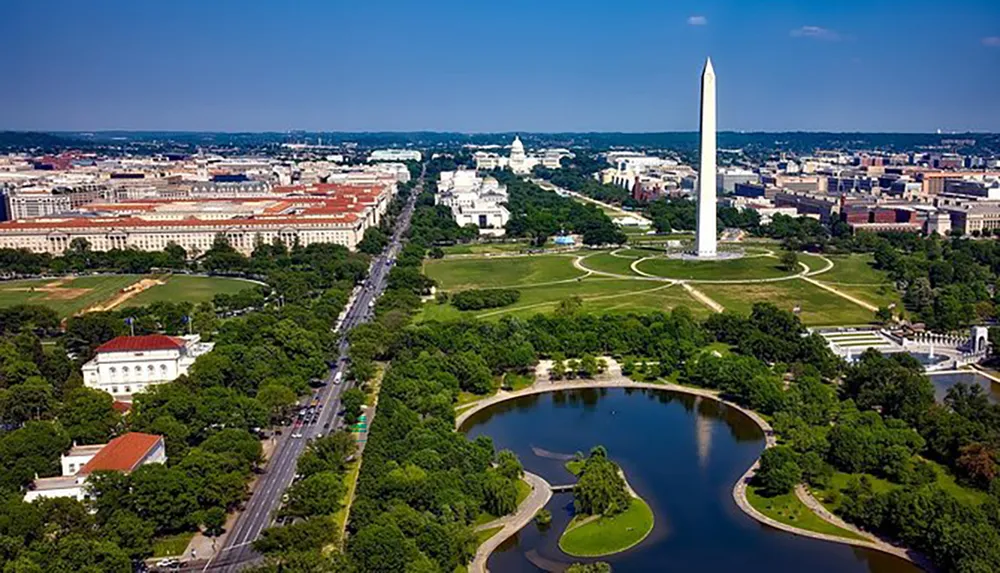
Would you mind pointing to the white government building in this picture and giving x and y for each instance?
(474, 200)
(130, 364)
(520, 162)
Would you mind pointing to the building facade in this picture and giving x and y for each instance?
(123, 454)
(474, 200)
(131, 364)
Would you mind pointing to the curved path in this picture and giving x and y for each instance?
(540, 494)
(739, 489)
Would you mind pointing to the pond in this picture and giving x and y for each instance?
(683, 455)
(942, 382)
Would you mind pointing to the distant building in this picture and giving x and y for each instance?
(395, 155)
(474, 200)
(122, 454)
(727, 179)
(130, 364)
(519, 161)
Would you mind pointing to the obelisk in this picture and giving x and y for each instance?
(706, 174)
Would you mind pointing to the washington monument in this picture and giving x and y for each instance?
(706, 174)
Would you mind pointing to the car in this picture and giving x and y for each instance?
(296, 435)
(326, 426)
(169, 563)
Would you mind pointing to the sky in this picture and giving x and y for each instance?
(498, 66)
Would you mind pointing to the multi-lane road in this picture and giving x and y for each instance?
(237, 550)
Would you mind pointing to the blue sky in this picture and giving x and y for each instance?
(505, 65)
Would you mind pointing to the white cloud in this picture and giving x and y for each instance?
(992, 41)
(816, 33)
(697, 21)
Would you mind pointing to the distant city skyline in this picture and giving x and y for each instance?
(517, 66)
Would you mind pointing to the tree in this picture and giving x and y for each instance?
(883, 315)
(352, 400)
(213, 521)
(508, 465)
(500, 494)
(558, 370)
(601, 489)
(588, 366)
(318, 494)
(278, 399)
(131, 533)
(779, 471)
(88, 415)
(978, 464)
(789, 261)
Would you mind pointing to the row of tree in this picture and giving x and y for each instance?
(478, 299)
(262, 361)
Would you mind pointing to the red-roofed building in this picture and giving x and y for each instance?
(129, 364)
(122, 454)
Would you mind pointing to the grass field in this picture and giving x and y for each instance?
(881, 295)
(731, 269)
(608, 535)
(65, 296)
(188, 288)
(789, 510)
(462, 274)
(853, 269)
(171, 545)
(598, 295)
(618, 265)
(818, 307)
(73, 295)
(814, 262)
(483, 248)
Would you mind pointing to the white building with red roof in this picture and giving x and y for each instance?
(130, 364)
(122, 454)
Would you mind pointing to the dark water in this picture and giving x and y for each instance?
(942, 382)
(682, 455)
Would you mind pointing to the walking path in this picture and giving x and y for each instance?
(540, 494)
(840, 293)
(702, 297)
(614, 379)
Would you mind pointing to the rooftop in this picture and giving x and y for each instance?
(147, 342)
(123, 453)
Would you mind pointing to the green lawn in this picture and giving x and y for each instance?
(523, 491)
(831, 495)
(483, 535)
(789, 510)
(618, 265)
(818, 307)
(608, 535)
(461, 274)
(881, 295)
(171, 545)
(814, 262)
(853, 269)
(67, 297)
(483, 248)
(189, 288)
(727, 269)
(517, 381)
(599, 294)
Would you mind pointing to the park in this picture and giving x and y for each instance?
(73, 295)
(834, 290)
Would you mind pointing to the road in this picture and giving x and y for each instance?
(237, 550)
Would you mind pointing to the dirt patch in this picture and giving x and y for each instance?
(65, 293)
(54, 290)
(125, 294)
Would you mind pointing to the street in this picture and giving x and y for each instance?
(266, 497)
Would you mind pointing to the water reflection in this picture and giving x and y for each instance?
(942, 382)
(682, 454)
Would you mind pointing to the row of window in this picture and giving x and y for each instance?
(137, 370)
